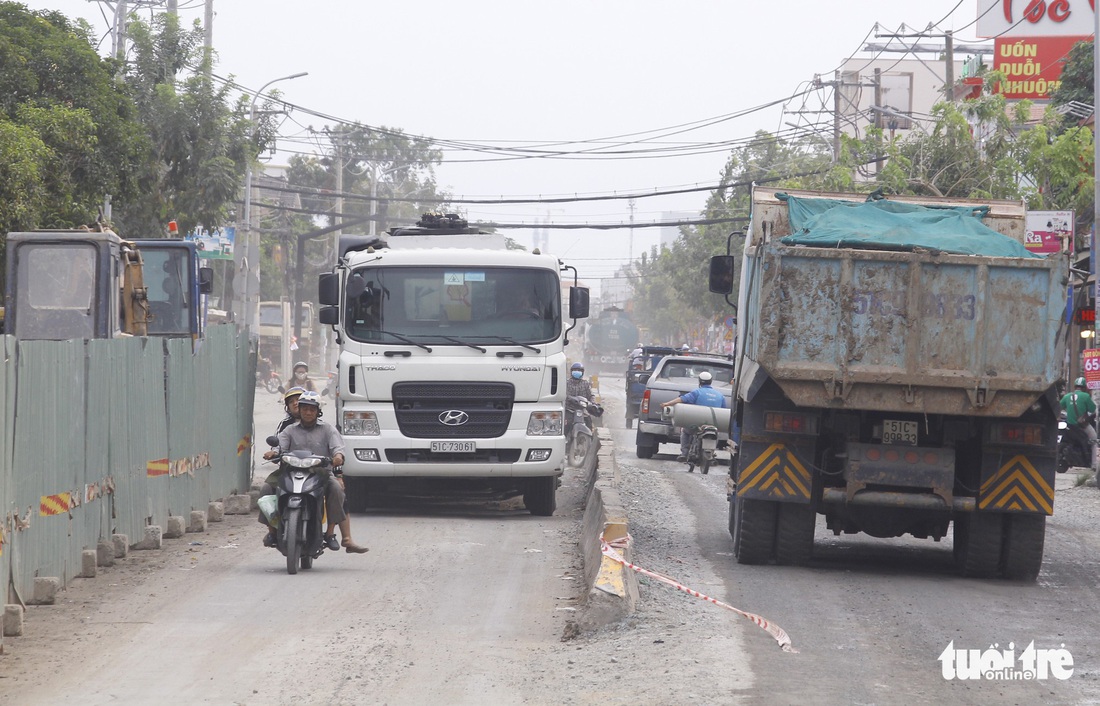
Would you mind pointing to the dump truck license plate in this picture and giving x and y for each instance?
(898, 432)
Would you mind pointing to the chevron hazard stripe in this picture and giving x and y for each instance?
(156, 468)
(776, 472)
(1017, 486)
(54, 504)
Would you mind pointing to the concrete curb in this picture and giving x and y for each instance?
(612, 589)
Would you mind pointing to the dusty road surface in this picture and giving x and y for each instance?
(467, 603)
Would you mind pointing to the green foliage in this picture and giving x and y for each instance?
(1077, 81)
(68, 135)
(200, 139)
(404, 167)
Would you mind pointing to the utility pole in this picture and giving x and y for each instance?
(208, 26)
(630, 204)
(949, 71)
(878, 118)
(118, 48)
(836, 117)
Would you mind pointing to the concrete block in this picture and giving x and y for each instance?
(105, 553)
(254, 500)
(87, 563)
(175, 528)
(13, 620)
(215, 511)
(238, 505)
(198, 521)
(45, 590)
(122, 545)
(153, 539)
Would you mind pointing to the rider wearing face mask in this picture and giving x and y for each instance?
(301, 377)
(576, 385)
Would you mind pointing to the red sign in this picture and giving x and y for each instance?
(1034, 18)
(1090, 362)
(1032, 65)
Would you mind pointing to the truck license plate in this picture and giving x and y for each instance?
(898, 432)
(455, 447)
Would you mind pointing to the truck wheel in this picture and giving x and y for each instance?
(540, 496)
(355, 491)
(1023, 546)
(630, 422)
(754, 530)
(978, 544)
(646, 447)
(794, 536)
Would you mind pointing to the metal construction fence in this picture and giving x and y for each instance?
(106, 437)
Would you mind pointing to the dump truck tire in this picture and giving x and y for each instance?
(978, 544)
(794, 536)
(754, 530)
(1023, 546)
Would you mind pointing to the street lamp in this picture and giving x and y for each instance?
(252, 247)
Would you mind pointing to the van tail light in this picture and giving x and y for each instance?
(645, 402)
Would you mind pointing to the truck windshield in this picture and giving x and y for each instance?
(166, 278)
(57, 285)
(455, 305)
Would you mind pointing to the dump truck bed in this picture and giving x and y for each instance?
(910, 331)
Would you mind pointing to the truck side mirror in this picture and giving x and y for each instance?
(206, 280)
(329, 315)
(578, 302)
(328, 289)
(721, 274)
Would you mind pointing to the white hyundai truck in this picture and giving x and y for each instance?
(451, 360)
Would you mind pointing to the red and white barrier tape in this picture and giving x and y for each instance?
(609, 550)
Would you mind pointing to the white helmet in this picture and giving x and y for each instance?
(309, 397)
(704, 379)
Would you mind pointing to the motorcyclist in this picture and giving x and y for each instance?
(290, 404)
(576, 385)
(301, 376)
(317, 437)
(703, 395)
(1080, 412)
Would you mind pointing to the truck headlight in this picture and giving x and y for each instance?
(544, 424)
(360, 424)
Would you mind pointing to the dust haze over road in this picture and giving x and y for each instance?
(466, 603)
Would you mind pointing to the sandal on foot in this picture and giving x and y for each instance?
(353, 548)
(331, 543)
(269, 539)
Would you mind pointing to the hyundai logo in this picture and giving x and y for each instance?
(453, 417)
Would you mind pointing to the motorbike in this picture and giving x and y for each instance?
(579, 413)
(1074, 447)
(266, 377)
(701, 451)
(299, 507)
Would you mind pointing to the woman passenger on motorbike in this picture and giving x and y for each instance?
(301, 376)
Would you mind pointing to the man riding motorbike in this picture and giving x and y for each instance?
(1080, 413)
(323, 440)
(703, 395)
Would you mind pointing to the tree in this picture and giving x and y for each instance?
(200, 140)
(1076, 80)
(68, 131)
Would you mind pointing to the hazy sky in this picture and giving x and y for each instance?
(511, 73)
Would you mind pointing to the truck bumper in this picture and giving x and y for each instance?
(510, 456)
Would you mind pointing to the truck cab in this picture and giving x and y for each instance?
(451, 361)
(66, 284)
(175, 284)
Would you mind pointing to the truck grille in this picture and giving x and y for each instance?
(419, 406)
(425, 456)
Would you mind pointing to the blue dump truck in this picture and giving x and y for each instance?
(609, 341)
(896, 374)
